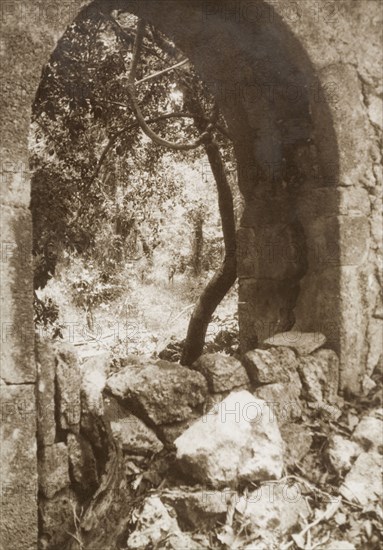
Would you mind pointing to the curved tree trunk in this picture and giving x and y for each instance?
(198, 241)
(226, 276)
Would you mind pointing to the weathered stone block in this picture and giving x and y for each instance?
(53, 469)
(272, 251)
(276, 365)
(68, 384)
(283, 400)
(16, 306)
(82, 464)
(236, 441)
(222, 372)
(46, 374)
(135, 436)
(320, 375)
(164, 392)
(18, 472)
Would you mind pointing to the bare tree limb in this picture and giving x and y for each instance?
(117, 135)
(140, 117)
(164, 71)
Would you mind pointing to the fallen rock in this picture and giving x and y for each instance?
(277, 365)
(342, 453)
(197, 510)
(303, 343)
(363, 482)
(222, 372)
(297, 442)
(320, 376)
(237, 440)
(163, 392)
(135, 436)
(369, 434)
(156, 528)
(153, 524)
(53, 469)
(274, 507)
(82, 462)
(68, 383)
(282, 400)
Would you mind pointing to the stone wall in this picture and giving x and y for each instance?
(299, 84)
(110, 432)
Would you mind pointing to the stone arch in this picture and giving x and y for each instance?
(300, 106)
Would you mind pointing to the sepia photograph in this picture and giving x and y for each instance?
(191, 275)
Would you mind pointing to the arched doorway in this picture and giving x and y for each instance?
(303, 236)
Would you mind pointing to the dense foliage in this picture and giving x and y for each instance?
(102, 191)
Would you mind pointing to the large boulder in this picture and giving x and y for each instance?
(222, 372)
(238, 440)
(162, 392)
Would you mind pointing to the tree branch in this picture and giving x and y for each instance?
(139, 116)
(135, 124)
(164, 71)
(225, 277)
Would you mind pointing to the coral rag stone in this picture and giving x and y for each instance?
(222, 372)
(276, 365)
(164, 392)
(238, 440)
(135, 436)
(320, 375)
